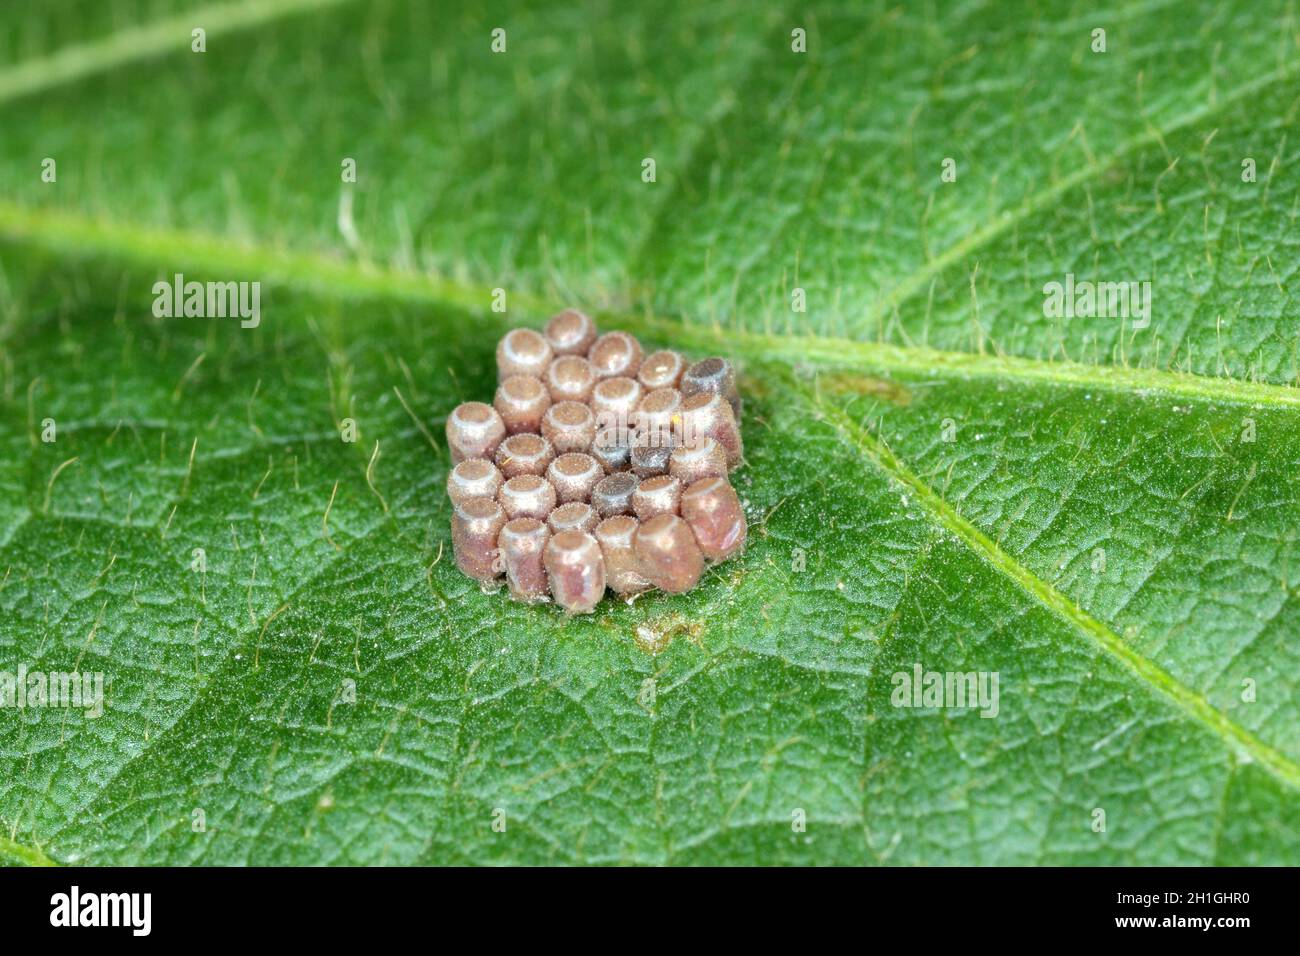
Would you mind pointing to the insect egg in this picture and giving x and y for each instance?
(716, 376)
(622, 571)
(527, 496)
(613, 455)
(570, 379)
(650, 460)
(661, 370)
(570, 333)
(521, 400)
(658, 415)
(574, 516)
(712, 509)
(574, 475)
(473, 431)
(475, 524)
(569, 426)
(524, 454)
(615, 353)
(706, 413)
(575, 569)
(616, 399)
(522, 352)
(521, 544)
(690, 463)
(656, 496)
(473, 478)
(667, 554)
(613, 494)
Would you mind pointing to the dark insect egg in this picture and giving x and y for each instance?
(650, 460)
(716, 376)
(612, 495)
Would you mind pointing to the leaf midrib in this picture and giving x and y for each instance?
(78, 236)
(142, 42)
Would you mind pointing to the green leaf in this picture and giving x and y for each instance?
(939, 475)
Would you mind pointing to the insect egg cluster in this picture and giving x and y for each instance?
(596, 466)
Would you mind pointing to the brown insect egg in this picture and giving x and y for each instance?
(658, 418)
(690, 463)
(667, 555)
(649, 460)
(613, 494)
(521, 401)
(712, 509)
(521, 544)
(716, 376)
(575, 516)
(622, 572)
(569, 379)
(706, 413)
(574, 475)
(570, 332)
(524, 454)
(475, 524)
(523, 352)
(527, 496)
(612, 454)
(569, 426)
(656, 496)
(575, 569)
(614, 400)
(615, 353)
(661, 370)
(473, 431)
(473, 478)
